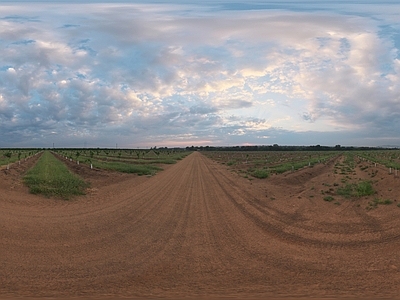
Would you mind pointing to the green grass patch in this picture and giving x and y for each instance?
(231, 163)
(260, 173)
(52, 178)
(363, 188)
(129, 168)
(329, 198)
(374, 203)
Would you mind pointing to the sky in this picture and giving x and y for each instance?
(134, 73)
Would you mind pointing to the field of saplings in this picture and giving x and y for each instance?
(261, 164)
(78, 222)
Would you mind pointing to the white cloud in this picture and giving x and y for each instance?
(160, 70)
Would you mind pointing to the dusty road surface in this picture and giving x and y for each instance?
(195, 230)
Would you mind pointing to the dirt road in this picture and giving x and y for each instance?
(194, 230)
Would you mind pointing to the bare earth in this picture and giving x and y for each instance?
(197, 229)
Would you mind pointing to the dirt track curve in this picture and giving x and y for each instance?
(193, 230)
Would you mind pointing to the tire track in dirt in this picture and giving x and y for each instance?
(281, 225)
(191, 230)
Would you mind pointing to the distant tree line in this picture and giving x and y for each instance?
(276, 147)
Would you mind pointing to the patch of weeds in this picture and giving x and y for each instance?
(374, 203)
(345, 191)
(385, 201)
(363, 188)
(337, 203)
(273, 198)
(336, 184)
(398, 204)
(329, 198)
(260, 173)
(230, 163)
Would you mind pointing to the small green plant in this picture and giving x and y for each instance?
(329, 198)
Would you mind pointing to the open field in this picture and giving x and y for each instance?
(206, 226)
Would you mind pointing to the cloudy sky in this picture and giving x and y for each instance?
(181, 73)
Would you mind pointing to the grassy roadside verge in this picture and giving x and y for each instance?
(129, 168)
(51, 177)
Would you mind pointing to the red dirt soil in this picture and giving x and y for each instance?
(196, 230)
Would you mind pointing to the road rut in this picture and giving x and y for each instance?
(194, 230)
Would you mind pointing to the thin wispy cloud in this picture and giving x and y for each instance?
(183, 73)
